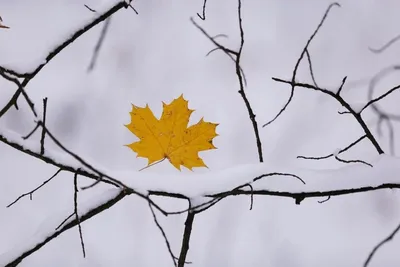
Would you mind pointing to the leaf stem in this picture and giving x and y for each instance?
(154, 163)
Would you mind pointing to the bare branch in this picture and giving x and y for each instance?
(305, 49)
(382, 115)
(204, 11)
(353, 161)
(236, 56)
(21, 90)
(230, 53)
(311, 67)
(340, 151)
(380, 97)
(346, 105)
(90, 9)
(383, 242)
(385, 46)
(31, 132)
(186, 238)
(30, 75)
(99, 44)
(163, 234)
(44, 126)
(227, 51)
(71, 39)
(216, 197)
(30, 193)
(89, 214)
(300, 196)
(251, 196)
(242, 92)
(94, 174)
(137, 13)
(325, 200)
(65, 220)
(341, 86)
(76, 213)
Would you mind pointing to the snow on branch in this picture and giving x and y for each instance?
(103, 11)
(50, 229)
(270, 180)
(67, 161)
(216, 184)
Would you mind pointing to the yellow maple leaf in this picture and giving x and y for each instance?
(170, 137)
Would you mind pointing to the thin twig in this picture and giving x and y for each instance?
(204, 11)
(217, 197)
(229, 52)
(137, 13)
(382, 115)
(341, 85)
(276, 174)
(311, 67)
(305, 49)
(385, 46)
(90, 9)
(99, 44)
(332, 154)
(325, 200)
(300, 196)
(30, 75)
(57, 49)
(65, 220)
(91, 185)
(251, 196)
(346, 105)
(46, 239)
(235, 57)
(93, 173)
(383, 242)
(380, 97)
(163, 234)
(353, 161)
(30, 193)
(21, 89)
(77, 215)
(44, 126)
(242, 92)
(31, 132)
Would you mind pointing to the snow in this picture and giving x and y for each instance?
(197, 185)
(34, 145)
(31, 57)
(214, 182)
(49, 224)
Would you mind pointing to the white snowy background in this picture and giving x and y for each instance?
(156, 56)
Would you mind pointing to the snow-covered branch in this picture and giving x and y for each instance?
(49, 229)
(276, 179)
(103, 11)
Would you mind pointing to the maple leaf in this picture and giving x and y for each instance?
(170, 137)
